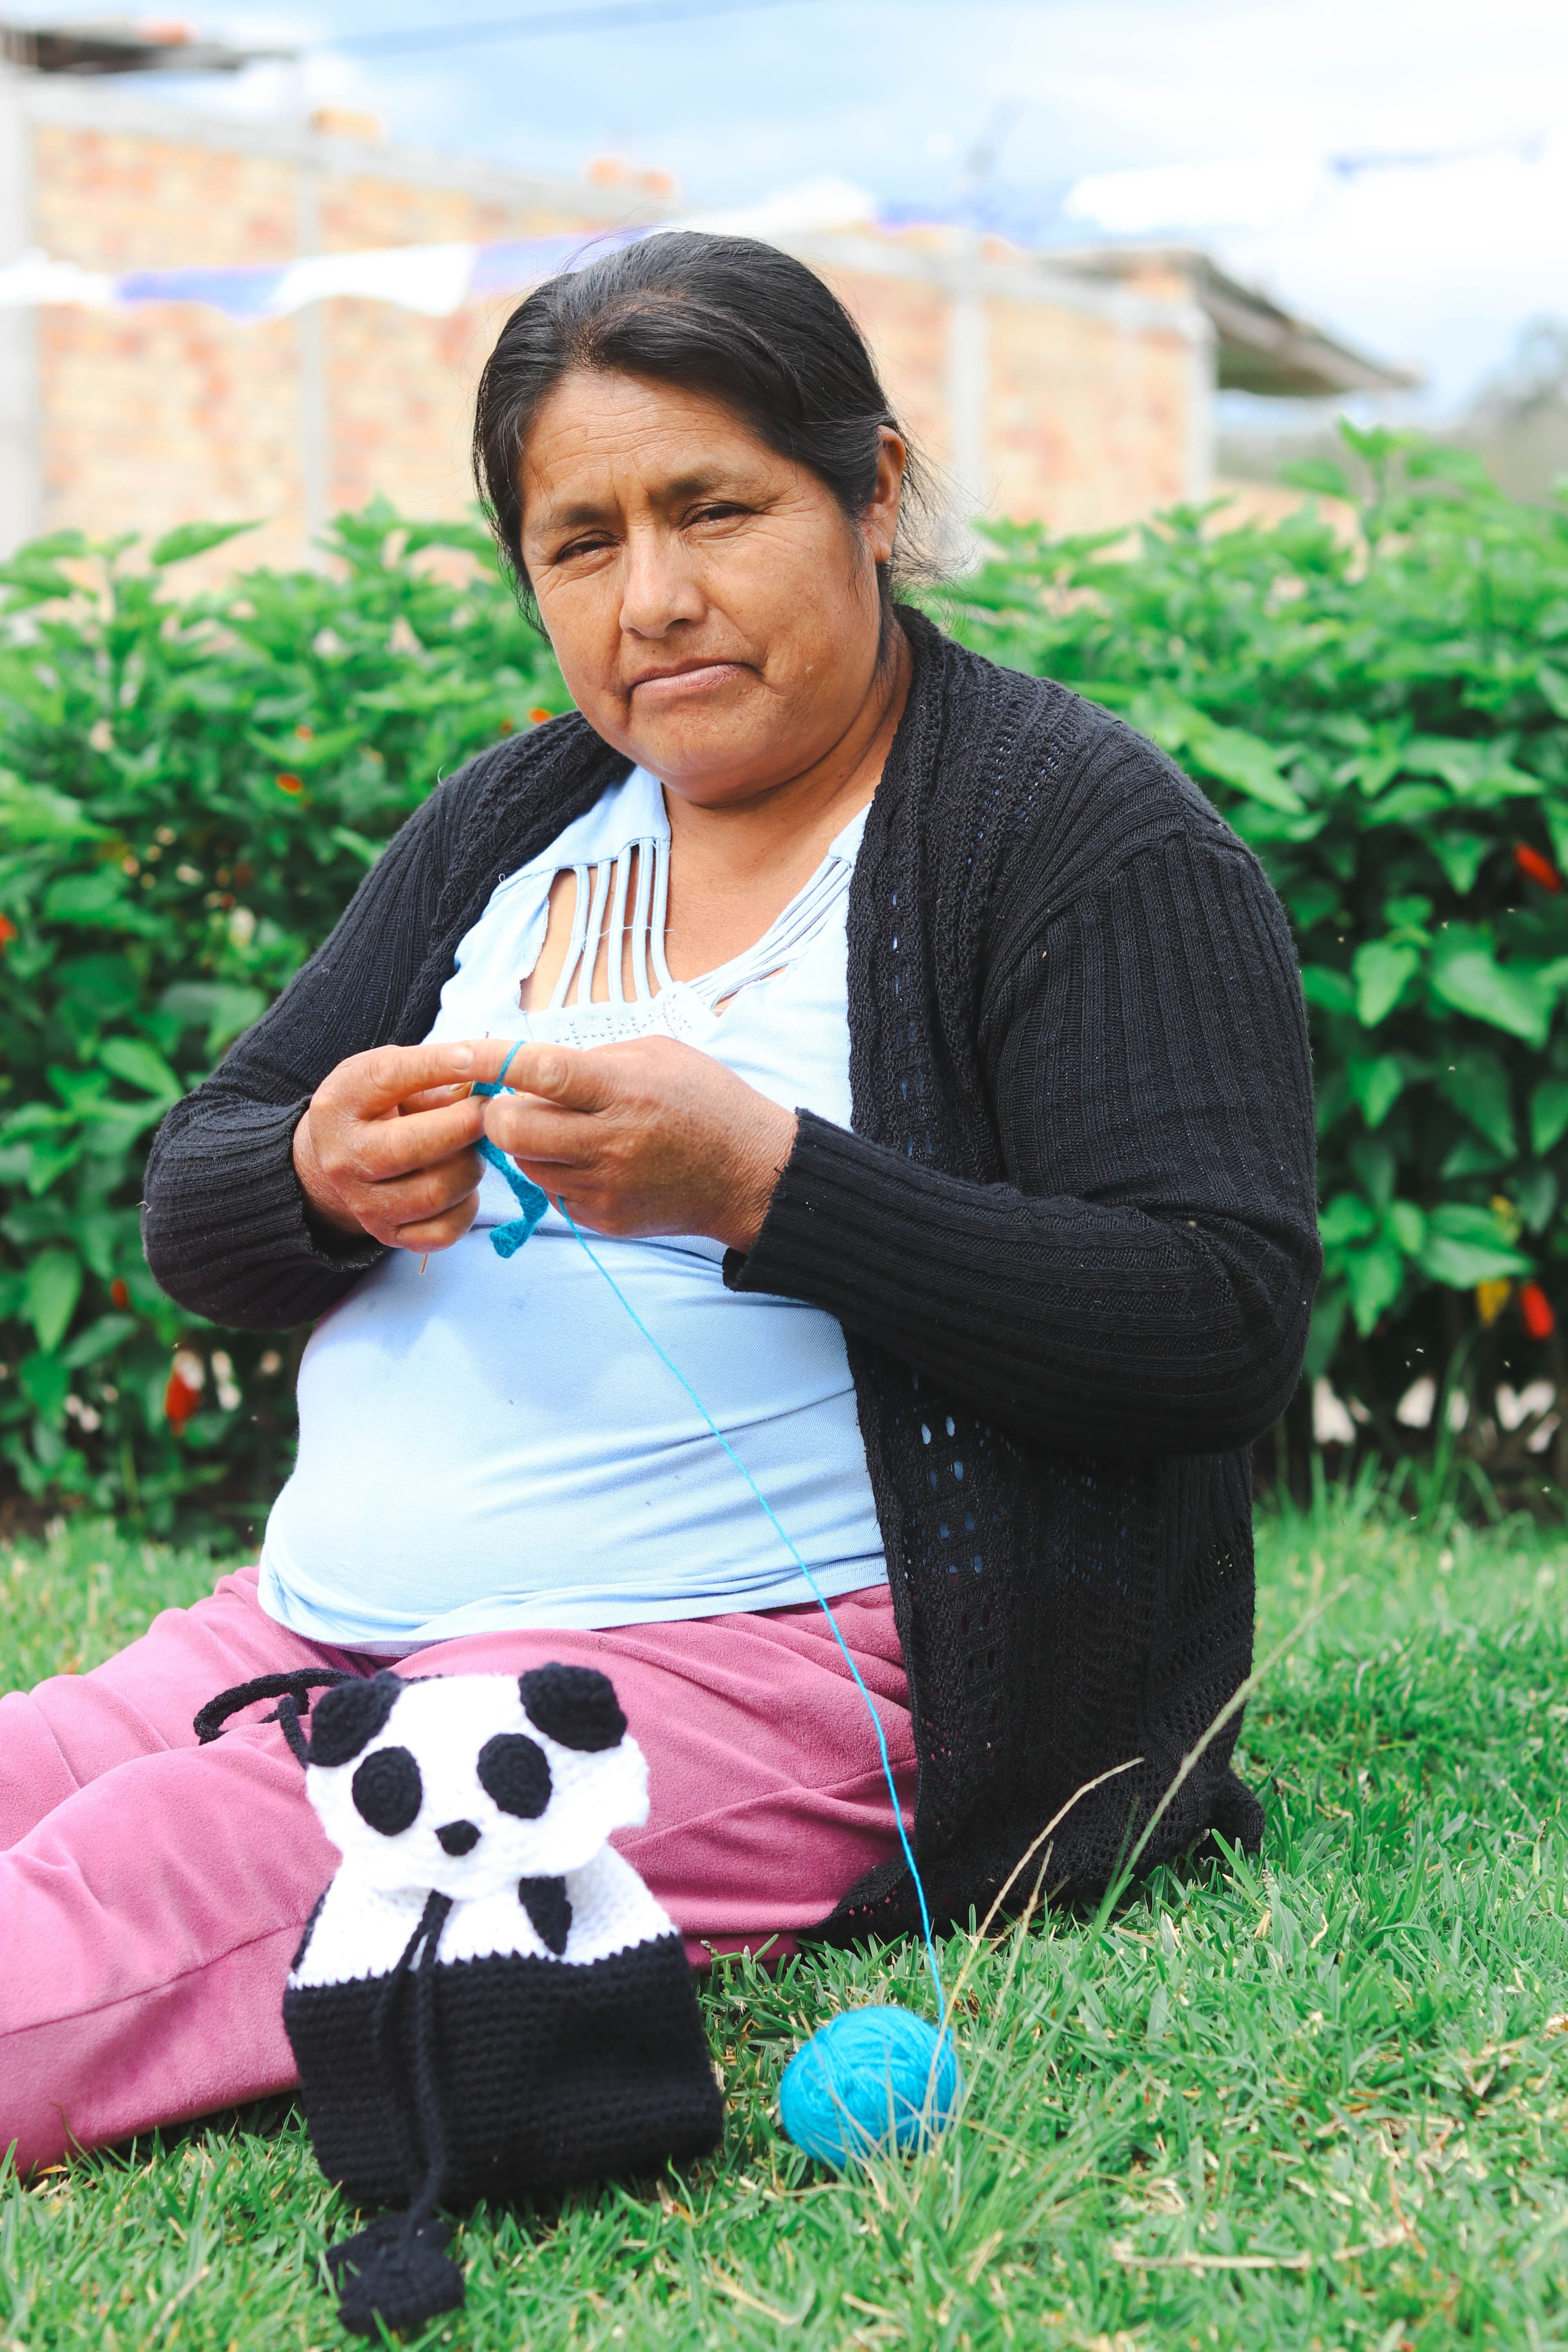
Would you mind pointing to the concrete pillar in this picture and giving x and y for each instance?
(315, 419)
(21, 451)
(1202, 386)
(968, 382)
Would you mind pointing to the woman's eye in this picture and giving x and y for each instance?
(719, 511)
(588, 546)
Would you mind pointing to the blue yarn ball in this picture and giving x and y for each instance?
(868, 2080)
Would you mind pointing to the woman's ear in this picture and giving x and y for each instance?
(880, 519)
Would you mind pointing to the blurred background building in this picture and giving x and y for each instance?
(1076, 386)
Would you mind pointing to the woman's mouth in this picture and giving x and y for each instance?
(688, 679)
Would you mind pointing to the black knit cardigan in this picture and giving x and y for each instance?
(1071, 1235)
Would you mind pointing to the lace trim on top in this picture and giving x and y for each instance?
(610, 880)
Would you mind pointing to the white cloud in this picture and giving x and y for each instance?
(1439, 265)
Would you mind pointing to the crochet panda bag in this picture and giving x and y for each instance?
(487, 2000)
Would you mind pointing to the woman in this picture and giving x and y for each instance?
(924, 1060)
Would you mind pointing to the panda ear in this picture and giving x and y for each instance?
(348, 1717)
(576, 1705)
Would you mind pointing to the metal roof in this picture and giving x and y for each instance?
(114, 45)
(1260, 347)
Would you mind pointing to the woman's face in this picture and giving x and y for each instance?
(715, 615)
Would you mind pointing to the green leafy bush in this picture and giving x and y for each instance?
(1380, 707)
(189, 792)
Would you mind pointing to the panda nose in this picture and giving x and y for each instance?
(457, 1837)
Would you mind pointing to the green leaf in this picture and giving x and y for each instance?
(139, 1064)
(1407, 1225)
(1405, 804)
(1471, 1157)
(1319, 475)
(1375, 1278)
(1323, 1334)
(96, 1340)
(1477, 1086)
(46, 1382)
(1330, 991)
(356, 844)
(1548, 1115)
(1553, 688)
(1376, 1085)
(86, 898)
(1373, 1158)
(1347, 1218)
(1518, 998)
(1334, 1098)
(1475, 772)
(1242, 760)
(1460, 854)
(53, 1285)
(227, 1010)
(1382, 969)
(1465, 1245)
(1535, 1196)
(31, 813)
(194, 538)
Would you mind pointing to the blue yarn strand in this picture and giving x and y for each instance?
(501, 1238)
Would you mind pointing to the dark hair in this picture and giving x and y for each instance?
(723, 315)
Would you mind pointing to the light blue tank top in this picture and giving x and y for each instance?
(492, 1444)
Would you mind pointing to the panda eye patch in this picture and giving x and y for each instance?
(346, 1720)
(387, 1791)
(576, 1705)
(514, 1773)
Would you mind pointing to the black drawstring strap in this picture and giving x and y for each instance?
(292, 1693)
(395, 2272)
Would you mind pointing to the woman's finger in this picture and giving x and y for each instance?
(376, 1151)
(531, 1130)
(435, 1098)
(431, 1233)
(573, 1078)
(427, 1192)
(371, 1085)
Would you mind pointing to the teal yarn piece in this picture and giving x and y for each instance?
(871, 2078)
(508, 1239)
(867, 2083)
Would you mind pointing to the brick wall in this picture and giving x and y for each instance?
(171, 414)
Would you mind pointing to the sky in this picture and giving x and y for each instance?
(1400, 174)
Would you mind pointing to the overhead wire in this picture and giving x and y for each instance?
(627, 15)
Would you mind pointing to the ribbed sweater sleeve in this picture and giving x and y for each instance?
(1141, 1282)
(224, 1224)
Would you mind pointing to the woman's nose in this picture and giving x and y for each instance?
(657, 586)
(457, 1837)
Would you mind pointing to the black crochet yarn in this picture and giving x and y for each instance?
(549, 2076)
(395, 2271)
(1071, 1238)
(466, 2023)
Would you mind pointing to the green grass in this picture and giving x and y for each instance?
(1316, 2104)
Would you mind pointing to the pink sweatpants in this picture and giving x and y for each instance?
(152, 1892)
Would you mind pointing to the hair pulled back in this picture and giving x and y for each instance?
(727, 316)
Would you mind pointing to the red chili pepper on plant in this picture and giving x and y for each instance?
(184, 1393)
(1537, 869)
(8, 932)
(119, 1291)
(1540, 1316)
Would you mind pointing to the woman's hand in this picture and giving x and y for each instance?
(650, 1137)
(387, 1145)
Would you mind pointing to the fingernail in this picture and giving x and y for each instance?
(462, 1057)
